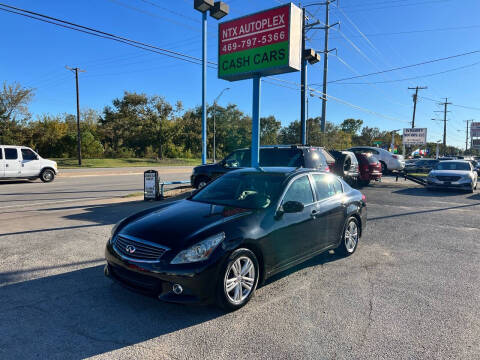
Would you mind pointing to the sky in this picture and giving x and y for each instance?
(374, 35)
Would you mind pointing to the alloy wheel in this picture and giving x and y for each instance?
(351, 236)
(239, 280)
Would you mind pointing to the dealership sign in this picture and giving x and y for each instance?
(415, 136)
(475, 129)
(261, 44)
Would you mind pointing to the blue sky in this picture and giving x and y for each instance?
(397, 33)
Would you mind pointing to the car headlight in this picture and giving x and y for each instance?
(200, 251)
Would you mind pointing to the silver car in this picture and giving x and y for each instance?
(456, 174)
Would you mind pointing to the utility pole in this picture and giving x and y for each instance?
(325, 64)
(415, 98)
(466, 135)
(445, 104)
(303, 86)
(79, 144)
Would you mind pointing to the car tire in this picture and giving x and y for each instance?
(350, 237)
(233, 289)
(363, 182)
(384, 168)
(47, 175)
(201, 182)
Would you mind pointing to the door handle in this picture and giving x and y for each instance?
(6, 165)
(314, 214)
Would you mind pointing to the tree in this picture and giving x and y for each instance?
(351, 126)
(269, 130)
(14, 100)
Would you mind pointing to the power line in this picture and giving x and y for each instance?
(414, 77)
(408, 66)
(461, 106)
(366, 8)
(99, 33)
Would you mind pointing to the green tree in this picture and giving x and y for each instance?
(14, 101)
(351, 126)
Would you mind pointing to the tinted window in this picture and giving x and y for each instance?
(28, 154)
(239, 158)
(242, 190)
(453, 166)
(11, 154)
(300, 190)
(1, 153)
(326, 186)
(281, 157)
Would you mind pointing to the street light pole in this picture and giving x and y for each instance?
(217, 10)
(214, 114)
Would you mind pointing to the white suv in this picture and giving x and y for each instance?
(388, 160)
(23, 162)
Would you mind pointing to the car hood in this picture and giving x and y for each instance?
(204, 168)
(181, 224)
(449, 172)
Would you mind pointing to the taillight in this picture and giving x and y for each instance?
(364, 198)
(327, 168)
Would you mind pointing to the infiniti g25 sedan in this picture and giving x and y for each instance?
(224, 240)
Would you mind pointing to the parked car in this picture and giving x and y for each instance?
(388, 160)
(457, 174)
(370, 168)
(346, 165)
(20, 162)
(279, 155)
(231, 235)
(477, 167)
(421, 166)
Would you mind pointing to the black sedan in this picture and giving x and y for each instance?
(242, 228)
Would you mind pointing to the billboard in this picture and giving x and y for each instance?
(261, 44)
(415, 136)
(475, 129)
(476, 143)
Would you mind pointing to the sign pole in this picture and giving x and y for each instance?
(204, 88)
(256, 122)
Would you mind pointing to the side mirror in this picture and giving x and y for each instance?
(292, 207)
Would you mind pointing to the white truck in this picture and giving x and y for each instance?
(21, 162)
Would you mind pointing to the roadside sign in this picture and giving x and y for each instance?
(261, 44)
(476, 143)
(377, 142)
(475, 129)
(150, 185)
(415, 136)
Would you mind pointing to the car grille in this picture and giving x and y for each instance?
(141, 250)
(448, 178)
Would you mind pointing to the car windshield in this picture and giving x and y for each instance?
(452, 166)
(243, 190)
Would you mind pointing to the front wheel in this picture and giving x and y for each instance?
(238, 280)
(47, 175)
(351, 235)
(384, 168)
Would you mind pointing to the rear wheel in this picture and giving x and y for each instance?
(384, 168)
(238, 280)
(201, 182)
(47, 175)
(351, 235)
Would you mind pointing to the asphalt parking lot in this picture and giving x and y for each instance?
(411, 291)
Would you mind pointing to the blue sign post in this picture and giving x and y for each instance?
(256, 122)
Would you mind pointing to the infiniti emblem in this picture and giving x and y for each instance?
(130, 249)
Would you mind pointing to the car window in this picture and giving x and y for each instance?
(1, 153)
(299, 190)
(281, 157)
(11, 154)
(447, 165)
(239, 158)
(326, 186)
(28, 154)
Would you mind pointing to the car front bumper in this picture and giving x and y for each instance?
(449, 185)
(198, 280)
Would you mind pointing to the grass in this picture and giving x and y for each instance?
(419, 174)
(135, 194)
(126, 162)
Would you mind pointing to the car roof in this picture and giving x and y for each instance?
(455, 161)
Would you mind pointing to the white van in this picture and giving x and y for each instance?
(23, 162)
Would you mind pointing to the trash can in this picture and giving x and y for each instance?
(150, 185)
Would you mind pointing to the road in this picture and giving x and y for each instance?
(82, 185)
(409, 292)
